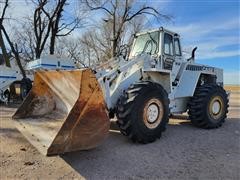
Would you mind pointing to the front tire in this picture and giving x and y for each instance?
(143, 112)
(208, 107)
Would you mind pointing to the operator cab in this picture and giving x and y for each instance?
(161, 44)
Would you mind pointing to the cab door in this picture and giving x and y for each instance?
(178, 64)
(168, 51)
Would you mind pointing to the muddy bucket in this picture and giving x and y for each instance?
(64, 111)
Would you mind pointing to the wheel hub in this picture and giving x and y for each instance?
(216, 107)
(153, 113)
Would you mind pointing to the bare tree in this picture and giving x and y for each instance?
(96, 42)
(41, 27)
(96, 45)
(86, 50)
(61, 29)
(48, 23)
(119, 14)
(24, 37)
(2, 44)
(71, 47)
(13, 46)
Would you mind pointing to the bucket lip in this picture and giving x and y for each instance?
(65, 70)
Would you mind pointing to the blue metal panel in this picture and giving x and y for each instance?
(8, 77)
(50, 65)
(66, 66)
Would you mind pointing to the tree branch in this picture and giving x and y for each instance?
(142, 11)
(4, 11)
(98, 8)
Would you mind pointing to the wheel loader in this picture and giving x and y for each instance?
(69, 110)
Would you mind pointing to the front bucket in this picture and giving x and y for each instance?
(65, 111)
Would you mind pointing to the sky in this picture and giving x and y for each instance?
(211, 25)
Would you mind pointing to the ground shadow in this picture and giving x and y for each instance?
(7, 130)
(13, 134)
(10, 104)
(114, 157)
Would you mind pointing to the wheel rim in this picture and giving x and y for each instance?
(216, 107)
(153, 113)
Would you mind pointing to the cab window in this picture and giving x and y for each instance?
(146, 43)
(177, 47)
(168, 44)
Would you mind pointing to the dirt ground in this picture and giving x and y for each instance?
(183, 152)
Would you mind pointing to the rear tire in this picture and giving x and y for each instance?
(208, 107)
(143, 112)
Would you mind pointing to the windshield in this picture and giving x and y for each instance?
(146, 43)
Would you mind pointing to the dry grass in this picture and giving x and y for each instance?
(232, 87)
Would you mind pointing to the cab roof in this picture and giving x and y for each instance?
(158, 29)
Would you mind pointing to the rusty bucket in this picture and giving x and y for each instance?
(64, 111)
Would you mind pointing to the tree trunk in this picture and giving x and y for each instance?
(38, 54)
(38, 51)
(16, 54)
(52, 42)
(114, 48)
(15, 51)
(4, 51)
